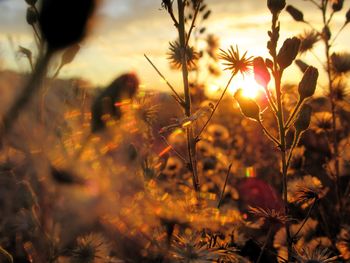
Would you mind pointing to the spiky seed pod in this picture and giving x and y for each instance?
(124, 87)
(175, 56)
(307, 85)
(308, 40)
(295, 13)
(301, 65)
(261, 73)
(337, 5)
(288, 52)
(31, 16)
(249, 107)
(302, 123)
(63, 22)
(326, 33)
(276, 6)
(31, 2)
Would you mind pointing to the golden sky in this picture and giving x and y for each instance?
(127, 29)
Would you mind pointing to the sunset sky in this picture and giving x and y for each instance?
(127, 29)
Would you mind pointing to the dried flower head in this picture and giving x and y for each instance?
(235, 62)
(175, 56)
(308, 40)
(341, 63)
(322, 121)
(272, 216)
(343, 242)
(305, 190)
(91, 248)
(276, 6)
(319, 255)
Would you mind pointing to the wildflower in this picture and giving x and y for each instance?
(288, 52)
(308, 40)
(276, 6)
(90, 248)
(341, 63)
(272, 216)
(303, 120)
(305, 190)
(31, 17)
(63, 22)
(343, 242)
(337, 5)
(340, 92)
(322, 121)
(315, 256)
(249, 107)
(218, 132)
(261, 73)
(175, 56)
(190, 250)
(295, 13)
(308, 83)
(235, 62)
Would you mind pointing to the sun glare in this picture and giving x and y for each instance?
(248, 84)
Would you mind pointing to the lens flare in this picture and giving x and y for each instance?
(250, 88)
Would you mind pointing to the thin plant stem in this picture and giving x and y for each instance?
(224, 188)
(270, 100)
(174, 150)
(191, 144)
(295, 111)
(215, 108)
(338, 33)
(193, 23)
(177, 96)
(32, 86)
(268, 134)
(265, 244)
(305, 219)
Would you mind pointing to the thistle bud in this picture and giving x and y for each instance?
(31, 2)
(295, 13)
(308, 83)
(288, 52)
(326, 33)
(337, 5)
(261, 73)
(249, 107)
(303, 121)
(276, 6)
(63, 22)
(31, 16)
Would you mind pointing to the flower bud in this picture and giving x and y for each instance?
(31, 17)
(295, 13)
(308, 83)
(249, 107)
(69, 54)
(337, 5)
(261, 73)
(269, 63)
(276, 6)
(288, 52)
(303, 121)
(63, 22)
(31, 2)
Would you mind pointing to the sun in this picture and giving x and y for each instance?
(250, 88)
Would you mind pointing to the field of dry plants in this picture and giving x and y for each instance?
(122, 174)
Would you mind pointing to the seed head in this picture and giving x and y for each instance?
(249, 107)
(235, 62)
(175, 56)
(308, 40)
(308, 83)
(288, 52)
(295, 13)
(261, 73)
